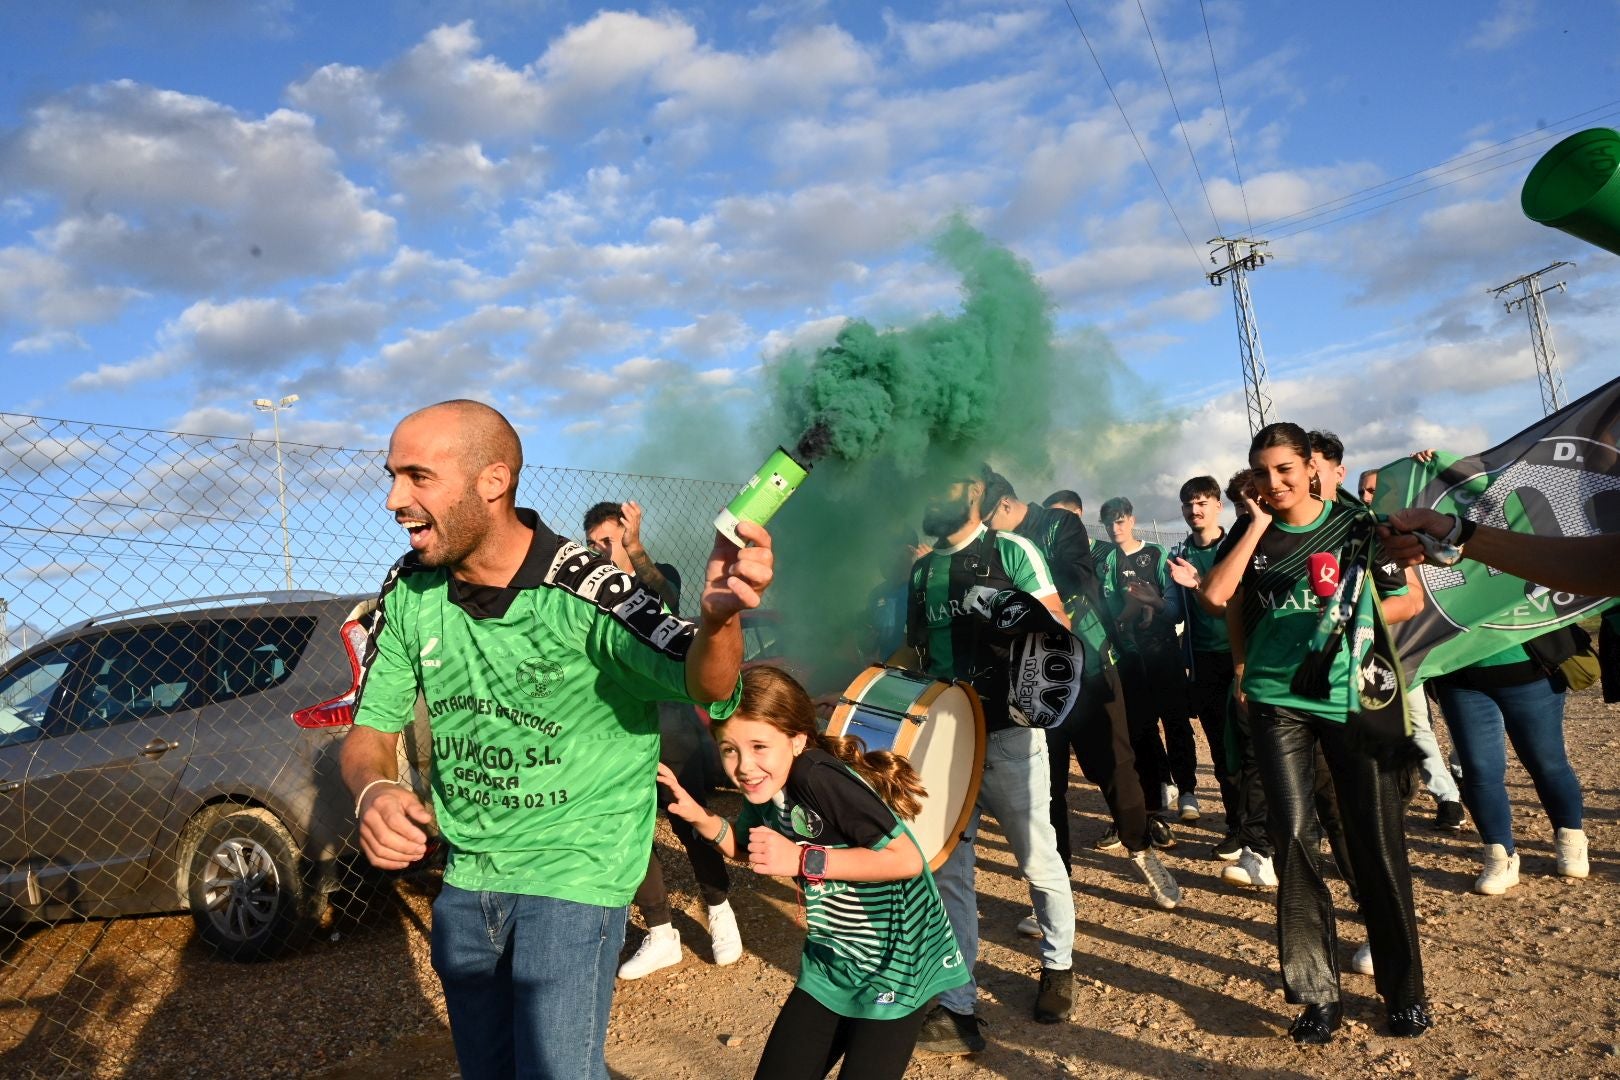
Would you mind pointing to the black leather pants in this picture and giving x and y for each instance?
(1285, 742)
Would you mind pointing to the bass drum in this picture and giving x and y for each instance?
(936, 725)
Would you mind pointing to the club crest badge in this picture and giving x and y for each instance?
(540, 677)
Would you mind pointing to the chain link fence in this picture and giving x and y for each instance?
(177, 660)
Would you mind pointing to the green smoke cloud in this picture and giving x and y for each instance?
(897, 410)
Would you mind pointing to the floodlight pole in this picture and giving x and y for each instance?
(275, 409)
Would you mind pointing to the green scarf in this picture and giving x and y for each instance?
(1377, 717)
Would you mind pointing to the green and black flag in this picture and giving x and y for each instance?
(1558, 477)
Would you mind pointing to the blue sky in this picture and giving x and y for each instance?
(569, 210)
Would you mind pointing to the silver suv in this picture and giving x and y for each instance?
(165, 760)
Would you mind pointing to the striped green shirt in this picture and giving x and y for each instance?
(874, 950)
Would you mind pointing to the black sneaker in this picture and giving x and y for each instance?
(1055, 1001)
(1316, 1025)
(1448, 816)
(1108, 841)
(1229, 848)
(947, 1032)
(1159, 833)
(1411, 1021)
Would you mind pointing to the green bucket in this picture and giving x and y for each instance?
(1575, 188)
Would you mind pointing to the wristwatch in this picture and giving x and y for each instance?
(813, 864)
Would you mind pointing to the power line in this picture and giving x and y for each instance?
(1139, 148)
(1230, 140)
(1483, 153)
(1412, 195)
(1182, 123)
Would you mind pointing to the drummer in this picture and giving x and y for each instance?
(947, 642)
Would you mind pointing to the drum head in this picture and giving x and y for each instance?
(936, 725)
(949, 756)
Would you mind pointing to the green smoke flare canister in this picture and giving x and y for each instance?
(1575, 188)
(763, 495)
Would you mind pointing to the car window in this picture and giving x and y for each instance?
(27, 690)
(135, 674)
(249, 655)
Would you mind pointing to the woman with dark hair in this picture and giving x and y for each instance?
(1274, 580)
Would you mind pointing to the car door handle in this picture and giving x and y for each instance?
(159, 747)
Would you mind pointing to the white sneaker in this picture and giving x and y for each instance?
(1168, 794)
(1361, 963)
(1030, 926)
(1572, 853)
(1251, 869)
(1188, 805)
(1501, 871)
(660, 949)
(723, 935)
(1162, 888)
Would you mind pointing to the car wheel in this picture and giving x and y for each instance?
(243, 887)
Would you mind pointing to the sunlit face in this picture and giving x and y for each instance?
(1282, 477)
(431, 496)
(1122, 529)
(1369, 487)
(606, 538)
(757, 756)
(1201, 512)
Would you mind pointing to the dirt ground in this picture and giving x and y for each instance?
(1522, 985)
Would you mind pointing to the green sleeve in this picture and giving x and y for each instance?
(1026, 566)
(389, 685)
(644, 670)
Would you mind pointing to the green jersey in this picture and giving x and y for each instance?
(540, 698)
(872, 949)
(956, 644)
(1280, 609)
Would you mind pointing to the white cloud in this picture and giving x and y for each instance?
(806, 336)
(947, 41)
(1087, 155)
(711, 335)
(1510, 19)
(349, 108)
(169, 190)
(40, 289)
(50, 341)
(253, 335)
(452, 94)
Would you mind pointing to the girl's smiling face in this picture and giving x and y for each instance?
(1283, 479)
(757, 756)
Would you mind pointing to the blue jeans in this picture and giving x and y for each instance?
(1532, 717)
(1017, 790)
(527, 981)
(1436, 775)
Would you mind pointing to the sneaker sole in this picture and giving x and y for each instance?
(1115, 846)
(948, 1050)
(1229, 856)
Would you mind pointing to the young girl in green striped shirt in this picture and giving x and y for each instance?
(821, 810)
